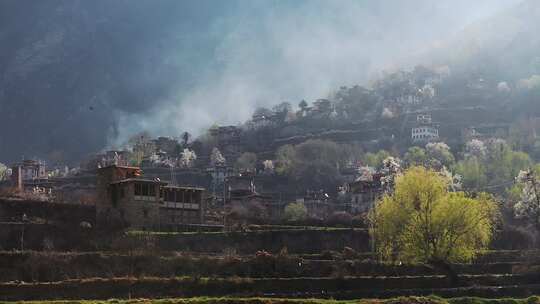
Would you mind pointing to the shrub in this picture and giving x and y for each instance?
(295, 212)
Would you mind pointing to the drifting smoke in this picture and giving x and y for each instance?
(284, 51)
(86, 74)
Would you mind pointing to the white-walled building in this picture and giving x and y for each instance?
(425, 130)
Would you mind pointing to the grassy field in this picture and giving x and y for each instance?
(225, 300)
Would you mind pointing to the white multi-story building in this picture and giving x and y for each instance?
(425, 133)
(425, 130)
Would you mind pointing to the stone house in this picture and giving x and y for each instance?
(30, 174)
(364, 190)
(124, 196)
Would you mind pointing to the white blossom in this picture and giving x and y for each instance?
(216, 159)
(528, 207)
(454, 180)
(366, 173)
(268, 166)
(187, 158)
(387, 113)
(475, 148)
(391, 169)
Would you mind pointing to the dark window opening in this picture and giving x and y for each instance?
(145, 190)
(188, 196)
(138, 189)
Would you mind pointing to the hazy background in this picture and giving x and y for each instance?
(77, 76)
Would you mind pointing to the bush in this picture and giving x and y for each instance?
(295, 212)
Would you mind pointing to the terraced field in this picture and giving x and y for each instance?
(335, 274)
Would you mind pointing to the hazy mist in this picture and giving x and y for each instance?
(83, 75)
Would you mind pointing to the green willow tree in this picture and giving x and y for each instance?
(422, 222)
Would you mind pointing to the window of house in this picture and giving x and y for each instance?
(198, 197)
(188, 197)
(145, 189)
(138, 189)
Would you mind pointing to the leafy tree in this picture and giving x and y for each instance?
(394, 85)
(314, 163)
(473, 173)
(503, 164)
(285, 156)
(355, 102)
(317, 163)
(376, 159)
(440, 153)
(416, 156)
(491, 163)
(185, 138)
(423, 222)
(246, 162)
(295, 212)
